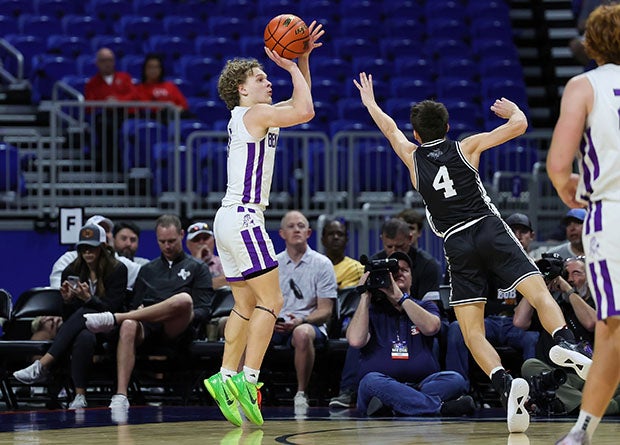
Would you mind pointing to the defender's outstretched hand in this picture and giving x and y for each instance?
(504, 108)
(366, 91)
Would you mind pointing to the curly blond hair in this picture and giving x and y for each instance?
(235, 72)
(602, 36)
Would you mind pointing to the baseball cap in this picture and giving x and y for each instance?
(99, 219)
(197, 228)
(519, 219)
(402, 256)
(91, 235)
(578, 214)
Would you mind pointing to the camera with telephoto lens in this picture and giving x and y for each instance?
(543, 399)
(379, 277)
(551, 266)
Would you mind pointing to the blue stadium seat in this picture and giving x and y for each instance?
(183, 26)
(272, 8)
(58, 8)
(213, 46)
(11, 176)
(490, 9)
(508, 69)
(484, 48)
(198, 70)
(119, 45)
(188, 126)
(109, 11)
(29, 46)
(47, 70)
(245, 9)
(84, 26)
(406, 28)
(85, 65)
(362, 27)
(381, 69)
(131, 63)
(399, 108)
(41, 25)
(395, 48)
(251, 44)
(464, 117)
(412, 89)
(457, 67)
(447, 47)
(138, 136)
(458, 90)
(226, 26)
(137, 27)
(422, 68)
(8, 25)
(358, 9)
(319, 10)
(349, 47)
(447, 27)
(338, 125)
(157, 9)
(493, 89)
(406, 9)
(171, 48)
(210, 111)
(352, 109)
(448, 9)
(67, 46)
(333, 67)
(76, 81)
(324, 113)
(326, 89)
(15, 8)
(485, 28)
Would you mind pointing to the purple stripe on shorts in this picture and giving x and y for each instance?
(269, 261)
(247, 240)
(597, 291)
(608, 289)
(241, 209)
(259, 171)
(598, 216)
(249, 168)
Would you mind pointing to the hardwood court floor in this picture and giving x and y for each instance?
(203, 425)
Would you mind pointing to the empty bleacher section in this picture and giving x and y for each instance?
(462, 52)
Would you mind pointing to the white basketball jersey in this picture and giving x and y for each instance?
(600, 151)
(250, 163)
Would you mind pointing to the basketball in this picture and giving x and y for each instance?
(288, 35)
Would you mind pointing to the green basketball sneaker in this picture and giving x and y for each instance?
(248, 396)
(224, 398)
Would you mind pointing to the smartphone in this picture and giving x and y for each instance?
(73, 280)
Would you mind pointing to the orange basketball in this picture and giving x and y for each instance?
(288, 35)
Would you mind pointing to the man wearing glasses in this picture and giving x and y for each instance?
(308, 283)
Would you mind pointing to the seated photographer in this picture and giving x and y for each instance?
(394, 333)
(549, 384)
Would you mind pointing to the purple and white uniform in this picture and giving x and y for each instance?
(599, 188)
(243, 244)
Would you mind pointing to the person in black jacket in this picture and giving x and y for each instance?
(95, 282)
(172, 294)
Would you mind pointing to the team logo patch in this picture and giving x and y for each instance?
(435, 154)
(184, 274)
(248, 221)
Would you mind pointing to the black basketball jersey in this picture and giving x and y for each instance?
(450, 185)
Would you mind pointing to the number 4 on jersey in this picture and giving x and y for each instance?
(443, 182)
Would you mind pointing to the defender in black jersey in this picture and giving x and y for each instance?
(477, 243)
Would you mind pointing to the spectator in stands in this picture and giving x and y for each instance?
(201, 245)
(334, 238)
(95, 282)
(415, 220)
(172, 298)
(574, 245)
(154, 88)
(126, 239)
(113, 86)
(394, 333)
(396, 237)
(68, 257)
(498, 315)
(573, 295)
(308, 283)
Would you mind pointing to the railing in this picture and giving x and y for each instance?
(141, 159)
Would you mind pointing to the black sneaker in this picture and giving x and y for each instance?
(344, 400)
(513, 397)
(463, 406)
(577, 356)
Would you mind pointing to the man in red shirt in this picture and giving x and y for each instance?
(108, 85)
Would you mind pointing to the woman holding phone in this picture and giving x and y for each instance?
(94, 282)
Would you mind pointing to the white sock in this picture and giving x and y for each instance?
(251, 375)
(586, 422)
(226, 373)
